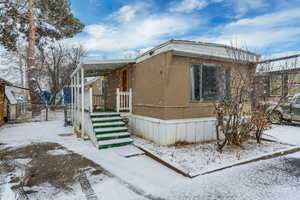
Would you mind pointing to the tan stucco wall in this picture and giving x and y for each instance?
(178, 89)
(161, 87)
(113, 83)
(149, 86)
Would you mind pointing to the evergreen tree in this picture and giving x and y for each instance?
(53, 20)
(35, 21)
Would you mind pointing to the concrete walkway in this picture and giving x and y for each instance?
(283, 133)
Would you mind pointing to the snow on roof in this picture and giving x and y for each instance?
(194, 48)
(91, 81)
(178, 47)
(3, 81)
(281, 64)
(10, 95)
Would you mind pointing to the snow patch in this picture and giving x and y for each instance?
(10, 96)
(58, 152)
(195, 159)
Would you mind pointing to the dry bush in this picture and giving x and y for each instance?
(237, 123)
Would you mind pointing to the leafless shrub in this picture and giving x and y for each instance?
(243, 114)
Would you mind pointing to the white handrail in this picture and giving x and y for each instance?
(124, 100)
(91, 99)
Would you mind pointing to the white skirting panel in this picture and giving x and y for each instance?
(168, 132)
(89, 129)
(88, 126)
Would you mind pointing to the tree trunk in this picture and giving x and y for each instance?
(31, 79)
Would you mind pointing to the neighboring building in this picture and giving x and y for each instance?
(97, 85)
(281, 76)
(3, 101)
(167, 93)
(9, 109)
(12, 104)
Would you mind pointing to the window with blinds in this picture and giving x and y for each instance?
(209, 83)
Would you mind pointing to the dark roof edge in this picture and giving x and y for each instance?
(196, 43)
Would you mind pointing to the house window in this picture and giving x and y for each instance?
(209, 83)
(276, 85)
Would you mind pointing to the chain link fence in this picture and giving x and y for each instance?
(26, 112)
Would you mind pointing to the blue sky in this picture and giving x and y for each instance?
(123, 28)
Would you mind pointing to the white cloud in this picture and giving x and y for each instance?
(243, 6)
(133, 35)
(125, 13)
(136, 30)
(264, 31)
(188, 5)
(281, 54)
(240, 7)
(129, 12)
(97, 30)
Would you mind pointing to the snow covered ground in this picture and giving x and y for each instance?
(195, 159)
(275, 179)
(134, 177)
(140, 177)
(287, 134)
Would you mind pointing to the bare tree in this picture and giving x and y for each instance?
(57, 63)
(232, 112)
(14, 62)
(241, 116)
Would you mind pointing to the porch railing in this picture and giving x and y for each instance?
(124, 101)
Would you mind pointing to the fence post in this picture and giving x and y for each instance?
(46, 112)
(91, 99)
(130, 100)
(118, 100)
(66, 114)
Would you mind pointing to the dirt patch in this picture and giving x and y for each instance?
(60, 171)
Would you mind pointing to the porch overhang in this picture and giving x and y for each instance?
(101, 67)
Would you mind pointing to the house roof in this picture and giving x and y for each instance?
(178, 47)
(199, 49)
(102, 67)
(10, 95)
(91, 81)
(5, 82)
(280, 64)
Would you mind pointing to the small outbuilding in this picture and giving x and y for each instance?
(9, 109)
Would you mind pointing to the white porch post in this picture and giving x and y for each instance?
(118, 100)
(72, 104)
(78, 98)
(91, 99)
(130, 100)
(82, 102)
(74, 100)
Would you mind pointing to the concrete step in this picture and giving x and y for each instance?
(114, 143)
(110, 130)
(104, 114)
(108, 124)
(105, 119)
(113, 136)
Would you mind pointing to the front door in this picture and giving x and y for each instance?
(125, 80)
